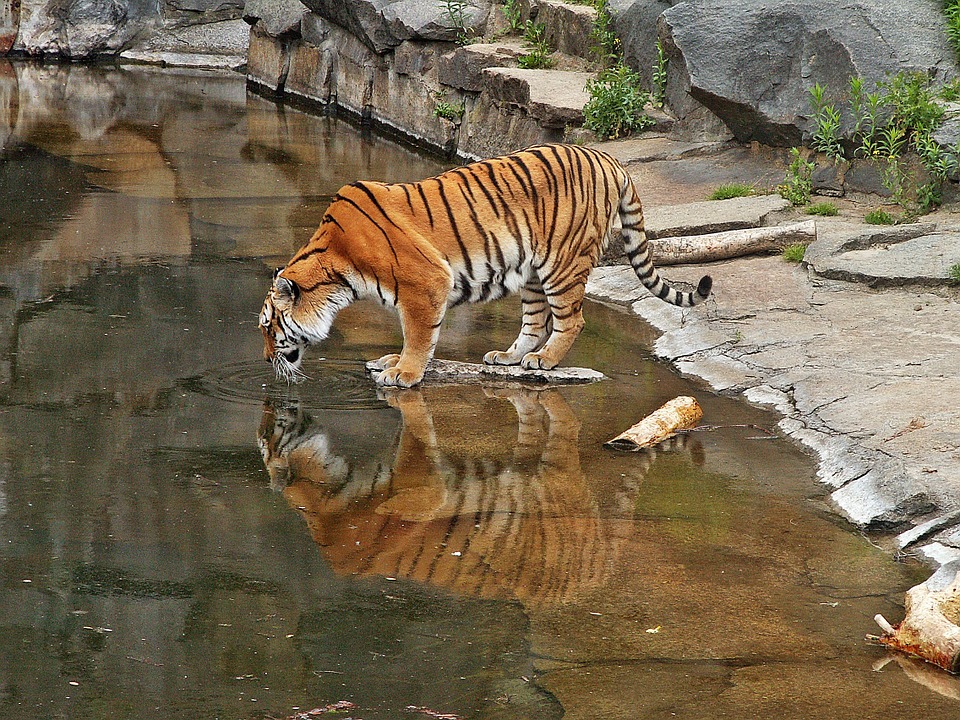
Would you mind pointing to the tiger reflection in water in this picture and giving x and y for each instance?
(525, 527)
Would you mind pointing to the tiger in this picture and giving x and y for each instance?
(534, 222)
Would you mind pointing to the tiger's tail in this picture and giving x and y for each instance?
(638, 252)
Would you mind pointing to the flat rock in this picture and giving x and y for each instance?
(554, 97)
(925, 260)
(463, 68)
(712, 215)
(452, 371)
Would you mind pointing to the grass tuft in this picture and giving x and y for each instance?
(823, 209)
(731, 190)
(794, 253)
(879, 217)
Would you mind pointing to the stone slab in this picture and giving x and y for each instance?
(555, 97)
(452, 371)
(712, 215)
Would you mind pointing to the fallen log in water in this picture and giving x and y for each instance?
(681, 413)
(730, 244)
(929, 630)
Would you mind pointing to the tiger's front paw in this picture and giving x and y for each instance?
(387, 361)
(395, 377)
(499, 357)
(536, 361)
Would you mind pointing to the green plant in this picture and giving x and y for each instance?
(534, 35)
(954, 274)
(798, 183)
(951, 8)
(448, 111)
(660, 76)
(616, 104)
(823, 209)
(879, 217)
(826, 136)
(456, 12)
(513, 12)
(731, 190)
(606, 48)
(794, 252)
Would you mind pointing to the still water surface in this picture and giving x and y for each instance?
(182, 537)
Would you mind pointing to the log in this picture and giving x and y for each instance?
(453, 371)
(730, 244)
(681, 413)
(929, 630)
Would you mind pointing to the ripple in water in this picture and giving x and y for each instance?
(333, 384)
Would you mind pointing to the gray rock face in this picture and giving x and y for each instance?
(278, 17)
(752, 62)
(383, 24)
(81, 29)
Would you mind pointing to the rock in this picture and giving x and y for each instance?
(215, 44)
(925, 260)
(84, 28)
(447, 371)
(382, 25)
(429, 20)
(278, 18)
(568, 27)
(9, 26)
(554, 97)
(635, 22)
(752, 63)
(463, 68)
(712, 216)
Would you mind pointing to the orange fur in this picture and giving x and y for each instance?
(535, 222)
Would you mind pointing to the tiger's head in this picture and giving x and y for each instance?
(298, 312)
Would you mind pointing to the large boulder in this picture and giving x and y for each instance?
(383, 24)
(752, 62)
(81, 28)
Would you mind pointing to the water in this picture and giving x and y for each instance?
(183, 537)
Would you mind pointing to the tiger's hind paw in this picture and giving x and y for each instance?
(387, 361)
(499, 357)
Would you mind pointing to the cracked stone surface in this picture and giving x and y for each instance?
(858, 349)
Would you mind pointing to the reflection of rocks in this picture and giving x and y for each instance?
(522, 526)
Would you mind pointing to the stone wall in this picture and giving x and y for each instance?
(399, 69)
(164, 31)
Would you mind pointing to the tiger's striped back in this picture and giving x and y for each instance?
(536, 222)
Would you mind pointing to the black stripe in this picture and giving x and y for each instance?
(375, 224)
(455, 228)
(376, 203)
(483, 189)
(426, 204)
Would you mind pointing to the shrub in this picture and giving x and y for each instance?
(731, 190)
(616, 104)
(798, 182)
(823, 209)
(539, 56)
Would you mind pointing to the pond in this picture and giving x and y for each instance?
(184, 537)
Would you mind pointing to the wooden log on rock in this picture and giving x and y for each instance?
(930, 629)
(730, 244)
(681, 413)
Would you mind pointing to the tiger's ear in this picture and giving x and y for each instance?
(286, 288)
